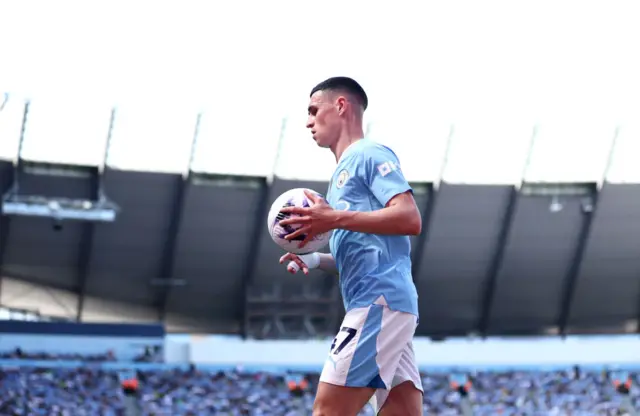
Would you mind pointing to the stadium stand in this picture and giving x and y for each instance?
(54, 368)
(89, 391)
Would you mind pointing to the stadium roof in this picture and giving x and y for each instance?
(523, 233)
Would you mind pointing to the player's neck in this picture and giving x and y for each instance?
(346, 140)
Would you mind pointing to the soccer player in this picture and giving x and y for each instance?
(372, 213)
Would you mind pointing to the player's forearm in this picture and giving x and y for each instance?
(327, 263)
(393, 220)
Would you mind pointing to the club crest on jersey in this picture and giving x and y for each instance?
(343, 177)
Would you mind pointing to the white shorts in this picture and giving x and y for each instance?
(374, 348)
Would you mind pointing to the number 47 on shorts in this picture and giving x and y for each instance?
(345, 336)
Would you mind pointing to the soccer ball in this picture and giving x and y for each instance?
(293, 197)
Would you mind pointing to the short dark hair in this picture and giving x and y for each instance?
(346, 84)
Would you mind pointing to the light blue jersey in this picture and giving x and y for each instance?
(368, 175)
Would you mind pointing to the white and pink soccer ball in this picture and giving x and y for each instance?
(294, 197)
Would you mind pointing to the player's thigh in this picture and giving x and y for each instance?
(403, 400)
(405, 397)
(337, 400)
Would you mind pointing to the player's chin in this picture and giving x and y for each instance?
(321, 143)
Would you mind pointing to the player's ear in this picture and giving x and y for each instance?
(341, 105)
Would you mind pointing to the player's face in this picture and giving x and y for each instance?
(324, 120)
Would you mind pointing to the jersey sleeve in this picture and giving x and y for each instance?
(382, 173)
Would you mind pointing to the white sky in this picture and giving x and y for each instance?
(492, 69)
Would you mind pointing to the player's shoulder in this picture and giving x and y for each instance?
(370, 149)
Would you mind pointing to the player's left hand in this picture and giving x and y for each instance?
(315, 220)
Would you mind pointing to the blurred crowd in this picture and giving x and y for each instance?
(92, 391)
(19, 354)
(149, 354)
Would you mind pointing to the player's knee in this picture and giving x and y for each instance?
(321, 408)
(319, 412)
(332, 406)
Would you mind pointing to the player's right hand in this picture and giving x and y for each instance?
(295, 263)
